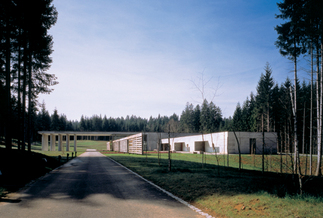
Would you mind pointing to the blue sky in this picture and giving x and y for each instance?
(120, 58)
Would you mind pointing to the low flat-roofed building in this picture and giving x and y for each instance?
(224, 143)
(138, 143)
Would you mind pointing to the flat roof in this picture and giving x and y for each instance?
(80, 133)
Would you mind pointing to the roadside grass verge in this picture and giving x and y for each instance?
(20, 167)
(225, 191)
(272, 163)
(82, 145)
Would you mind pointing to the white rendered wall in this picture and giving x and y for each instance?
(60, 142)
(225, 142)
(52, 142)
(75, 142)
(244, 140)
(67, 142)
(44, 142)
(213, 142)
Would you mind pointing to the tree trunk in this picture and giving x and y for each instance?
(24, 97)
(8, 87)
(159, 139)
(268, 123)
(29, 103)
(318, 131)
(281, 153)
(19, 94)
(311, 115)
(303, 142)
(297, 167)
(238, 149)
(203, 145)
(286, 145)
(319, 127)
(295, 117)
(263, 145)
(169, 160)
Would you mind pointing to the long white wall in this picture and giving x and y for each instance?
(215, 142)
(224, 142)
(244, 140)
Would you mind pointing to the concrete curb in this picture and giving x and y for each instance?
(166, 192)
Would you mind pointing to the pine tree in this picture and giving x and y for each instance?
(204, 117)
(237, 119)
(252, 112)
(44, 119)
(289, 43)
(215, 117)
(264, 96)
(187, 119)
(197, 118)
(55, 124)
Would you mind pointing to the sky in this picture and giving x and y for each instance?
(145, 58)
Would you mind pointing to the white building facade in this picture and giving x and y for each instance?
(141, 142)
(225, 143)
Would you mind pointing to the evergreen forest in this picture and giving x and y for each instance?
(293, 109)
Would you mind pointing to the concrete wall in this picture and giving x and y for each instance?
(133, 143)
(224, 142)
(60, 135)
(153, 140)
(244, 140)
(215, 142)
(109, 147)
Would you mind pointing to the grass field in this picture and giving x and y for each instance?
(225, 191)
(217, 189)
(82, 145)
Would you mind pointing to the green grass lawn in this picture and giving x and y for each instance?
(82, 145)
(225, 191)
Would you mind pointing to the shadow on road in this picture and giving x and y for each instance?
(95, 175)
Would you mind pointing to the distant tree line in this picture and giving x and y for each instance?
(208, 119)
(25, 51)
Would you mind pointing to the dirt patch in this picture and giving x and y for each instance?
(208, 211)
(251, 207)
(239, 207)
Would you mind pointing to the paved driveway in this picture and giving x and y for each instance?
(93, 186)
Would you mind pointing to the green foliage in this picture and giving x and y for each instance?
(55, 125)
(238, 122)
(187, 119)
(264, 98)
(291, 32)
(207, 118)
(25, 52)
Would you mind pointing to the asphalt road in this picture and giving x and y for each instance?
(93, 186)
